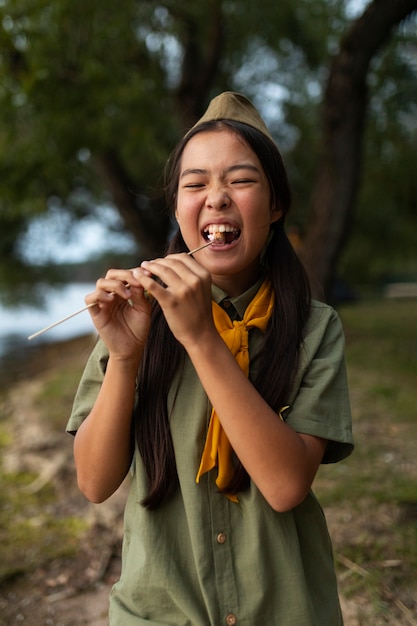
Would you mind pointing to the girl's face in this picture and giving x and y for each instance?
(223, 188)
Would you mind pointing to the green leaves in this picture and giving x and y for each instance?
(83, 80)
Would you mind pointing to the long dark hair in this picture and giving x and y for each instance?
(277, 360)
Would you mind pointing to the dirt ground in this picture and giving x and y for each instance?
(74, 591)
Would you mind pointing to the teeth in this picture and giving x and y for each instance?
(216, 233)
(220, 228)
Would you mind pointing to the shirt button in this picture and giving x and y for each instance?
(231, 619)
(227, 304)
(221, 538)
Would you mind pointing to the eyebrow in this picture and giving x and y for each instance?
(228, 170)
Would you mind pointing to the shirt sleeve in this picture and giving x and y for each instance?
(319, 402)
(89, 387)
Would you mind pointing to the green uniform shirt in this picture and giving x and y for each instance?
(202, 560)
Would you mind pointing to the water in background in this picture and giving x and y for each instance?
(17, 324)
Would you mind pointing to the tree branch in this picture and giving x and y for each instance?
(199, 65)
(343, 121)
(142, 217)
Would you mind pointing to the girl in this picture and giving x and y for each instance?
(222, 385)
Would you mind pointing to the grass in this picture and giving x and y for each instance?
(370, 499)
(35, 527)
(58, 392)
(31, 534)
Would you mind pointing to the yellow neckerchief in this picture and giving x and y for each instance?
(217, 449)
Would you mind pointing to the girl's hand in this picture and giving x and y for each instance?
(184, 295)
(122, 313)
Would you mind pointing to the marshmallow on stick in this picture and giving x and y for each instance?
(217, 237)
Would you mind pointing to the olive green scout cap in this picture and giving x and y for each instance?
(234, 106)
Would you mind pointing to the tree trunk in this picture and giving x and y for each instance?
(144, 218)
(203, 46)
(343, 121)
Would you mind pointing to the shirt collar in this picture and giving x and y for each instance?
(240, 302)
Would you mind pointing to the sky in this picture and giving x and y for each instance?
(354, 7)
(53, 238)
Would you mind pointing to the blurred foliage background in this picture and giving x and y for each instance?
(94, 95)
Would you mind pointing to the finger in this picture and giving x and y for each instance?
(124, 276)
(116, 281)
(174, 268)
(106, 289)
(139, 299)
(177, 292)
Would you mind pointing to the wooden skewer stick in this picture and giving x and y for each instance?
(205, 245)
(88, 306)
(64, 319)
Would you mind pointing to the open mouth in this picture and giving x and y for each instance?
(221, 234)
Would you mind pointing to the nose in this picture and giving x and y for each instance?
(217, 198)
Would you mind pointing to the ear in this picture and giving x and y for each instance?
(276, 215)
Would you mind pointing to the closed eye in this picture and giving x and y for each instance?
(193, 185)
